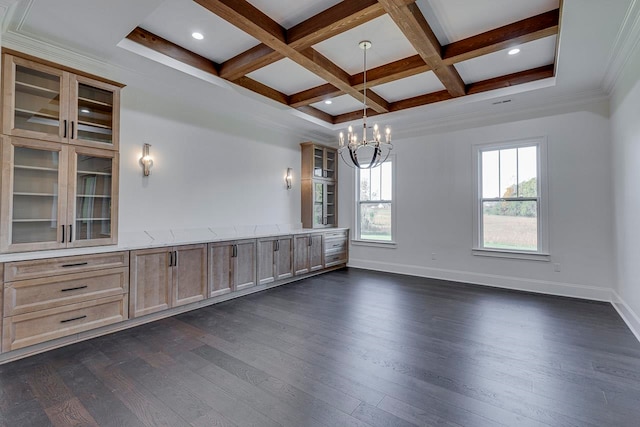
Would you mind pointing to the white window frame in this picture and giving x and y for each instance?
(542, 254)
(377, 243)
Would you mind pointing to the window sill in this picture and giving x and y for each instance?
(530, 256)
(375, 244)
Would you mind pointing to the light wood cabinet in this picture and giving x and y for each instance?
(57, 297)
(167, 277)
(318, 181)
(48, 102)
(232, 266)
(308, 253)
(57, 196)
(275, 259)
(336, 248)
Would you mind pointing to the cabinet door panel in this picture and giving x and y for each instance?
(316, 252)
(266, 261)
(94, 113)
(220, 279)
(245, 265)
(34, 194)
(151, 280)
(284, 265)
(93, 197)
(301, 257)
(189, 274)
(35, 103)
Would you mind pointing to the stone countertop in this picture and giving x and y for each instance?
(128, 241)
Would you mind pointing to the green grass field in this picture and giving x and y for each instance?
(510, 232)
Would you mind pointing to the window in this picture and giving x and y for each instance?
(510, 214)
(375, 210)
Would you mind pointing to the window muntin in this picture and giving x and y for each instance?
(374, 192)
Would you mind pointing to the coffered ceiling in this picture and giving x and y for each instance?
(304, 53)
(275, 63)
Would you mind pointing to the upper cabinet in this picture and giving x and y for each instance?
(57, 196)
(319, 183)
(47, 103)
(319, 162)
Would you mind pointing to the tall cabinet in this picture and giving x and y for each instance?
(319, 182)
(59, 157)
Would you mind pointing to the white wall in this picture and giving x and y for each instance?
(625, 128)
(434, 208)
(210, 169)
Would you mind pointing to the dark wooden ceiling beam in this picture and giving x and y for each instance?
(416, 29)
(316, 94)
(172, 50)
(483, 86)
(314, 112)
(258, 25)
(514, 79)
(250, 60)
(530, 29)
(262, 89)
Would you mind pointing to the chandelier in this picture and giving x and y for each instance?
(364, 153)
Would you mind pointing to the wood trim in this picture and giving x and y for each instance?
(415, 27)
(262, 89)
(514, 79)
(250, 60)
(314, 112)
(59, 66)
(526, 30)
(316, 94)
(172, 50)
(258, 25)
(416, 101)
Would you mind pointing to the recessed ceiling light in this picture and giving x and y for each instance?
(328, 102)
(85, 110)
(514, 51)
(197, 36)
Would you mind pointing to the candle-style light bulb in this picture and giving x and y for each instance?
(341, 139)
(387, 132)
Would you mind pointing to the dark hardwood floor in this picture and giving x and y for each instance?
(350, 348)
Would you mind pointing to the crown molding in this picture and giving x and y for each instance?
(560, 104)
(627, 41)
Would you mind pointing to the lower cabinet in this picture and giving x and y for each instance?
(308, 253)
(275, 259)
(232, 266)
(57, 297)
(167, 277)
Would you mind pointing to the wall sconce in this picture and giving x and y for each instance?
(288, 178)
(146, 160)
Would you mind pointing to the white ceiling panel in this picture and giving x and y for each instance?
(389, 44)
(339, 105)
(286, 76)
(410, 87)
(533, 54)
(176, 20)
(288, 13)
(453, 20)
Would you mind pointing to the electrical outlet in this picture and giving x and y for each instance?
(433, 256)
(556, 267)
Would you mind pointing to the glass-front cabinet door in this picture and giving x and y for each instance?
(35, 100)
(34, 195)
(94, 113)
(324, 163)
(324, 204)
(93, 190)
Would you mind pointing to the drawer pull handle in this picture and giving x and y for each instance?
(337, 245)
(74, 289)
(73, 318)
(78, 264)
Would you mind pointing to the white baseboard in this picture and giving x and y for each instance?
(628, 315)
(506, 282)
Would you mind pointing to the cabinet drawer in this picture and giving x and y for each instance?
(335, 245)
(32, 328)
(339, 234)
(25, 296)
(335, 259)
(22, 270)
